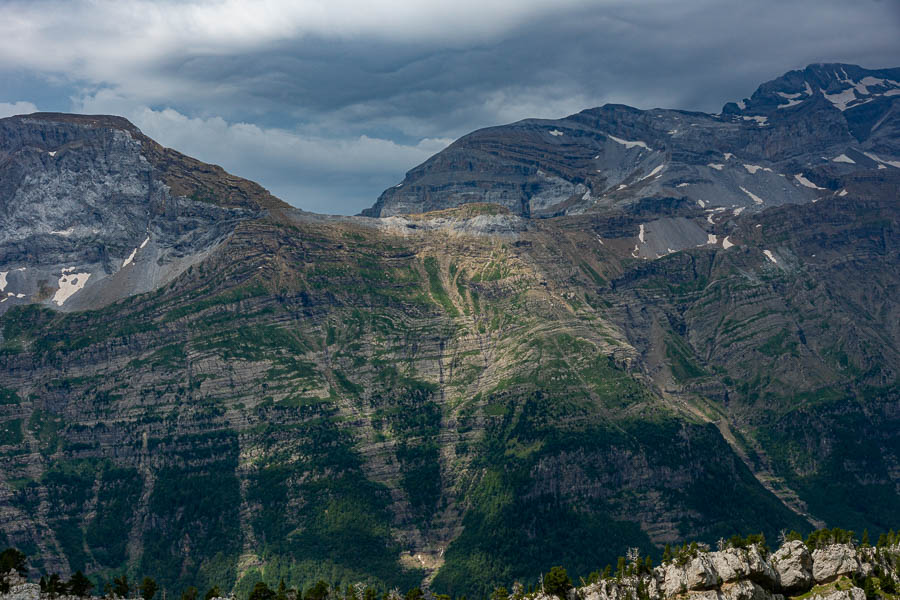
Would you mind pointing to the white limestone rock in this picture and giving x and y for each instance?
(833, 561)
(793, 566)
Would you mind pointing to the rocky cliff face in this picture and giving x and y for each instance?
(93, 211)
(462, 397)
(790, 143)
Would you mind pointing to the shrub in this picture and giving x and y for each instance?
(262, 592)
(148, 588)
(213, 592)
(13, 560)
(79, 585)
(557, 582)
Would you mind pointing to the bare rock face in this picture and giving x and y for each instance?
(793, 566)
(833, 561)
(737, 563)
(92, 211)
(739, 590)
(790, 143)
(698, 574)
(746, 590)
(745, 574)
(24, 591)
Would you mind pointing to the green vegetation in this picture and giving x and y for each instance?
(557, 582)
(432, 267)
(11, 432)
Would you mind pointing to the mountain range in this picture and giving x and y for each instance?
(552, 341)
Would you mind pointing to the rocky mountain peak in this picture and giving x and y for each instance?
(92, 210)
(792, 142)
(843, 87)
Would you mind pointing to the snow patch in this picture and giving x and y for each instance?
(701, 203)
(841, 194)
(641, 233)
(770, 256)
(789, 104)
(806, 182)
(738, 210)
(726, 244)
(761, 121)
(672, 131)
(621, 186)
(752, 169)
(728, 155)
(628, 144)
(680, 185)
(716, 166)
(69, 284)
(753, 196)
(130, 258)
(841, 99)
(893, 163)
(555, 132)
(52, 153)
(3, 280)
(843, 158)
(741, 104)
(655, 170)
(711, 239)
(64, 232)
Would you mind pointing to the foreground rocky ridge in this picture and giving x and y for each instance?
(836, 571)
(842, 571)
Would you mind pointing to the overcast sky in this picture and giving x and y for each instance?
(328, 102)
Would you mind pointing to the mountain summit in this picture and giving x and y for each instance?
(792, 142)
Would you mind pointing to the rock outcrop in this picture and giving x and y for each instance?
(752, 574)
(92, 211)
(793, 566)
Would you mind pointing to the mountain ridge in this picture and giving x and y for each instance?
(608, 157)
(458, 398)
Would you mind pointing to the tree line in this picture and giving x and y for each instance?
(556, 582)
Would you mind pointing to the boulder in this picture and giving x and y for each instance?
(793, 567)
(698, 574)
(740, 563)
(745, 590)
(833, 561)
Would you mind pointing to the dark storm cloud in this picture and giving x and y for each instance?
(327, 106)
